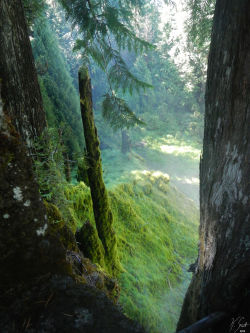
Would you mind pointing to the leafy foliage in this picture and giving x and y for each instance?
(199, 24)
(198, 27)
(116, 111)
(49, 167)
(105, 29)
(33, 9)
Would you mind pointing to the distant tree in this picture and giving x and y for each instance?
(66, 37)
(199, 23)
(198, 28)
(60, 98)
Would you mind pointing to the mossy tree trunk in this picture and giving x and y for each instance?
(102, 212)
(222, 279)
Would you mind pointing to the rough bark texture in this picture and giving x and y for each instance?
(101, 207)
(222, 278)
(23, 220)
(18, 74)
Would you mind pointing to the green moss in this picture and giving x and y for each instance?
(157, 237)
(157, 231)
(58, 227)
(82, 211)
(90, 244)
(82, 175)
(80, 203)
(147, 189)
(54, 215)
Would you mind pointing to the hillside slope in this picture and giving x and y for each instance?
(157, 233)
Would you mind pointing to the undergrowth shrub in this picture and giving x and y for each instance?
(49, 167)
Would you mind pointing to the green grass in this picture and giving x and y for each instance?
(156, 228)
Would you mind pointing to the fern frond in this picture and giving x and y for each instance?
(121, 77)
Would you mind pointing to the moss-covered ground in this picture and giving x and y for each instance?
(156, 227)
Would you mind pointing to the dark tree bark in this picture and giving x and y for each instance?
(222, 279)
(102, 212)
(23, 221)
(18, 73)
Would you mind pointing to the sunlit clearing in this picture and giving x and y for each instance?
(141, 174)
(180, 150)
(185, 180)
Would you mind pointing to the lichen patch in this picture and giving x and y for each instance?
(41, 231)
(27, 203)
(18, 193)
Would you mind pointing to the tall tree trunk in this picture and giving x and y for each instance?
(24, 109)
(23, 220)
(222, 278)
(125, 142)
(101, 207)
(26, 250)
